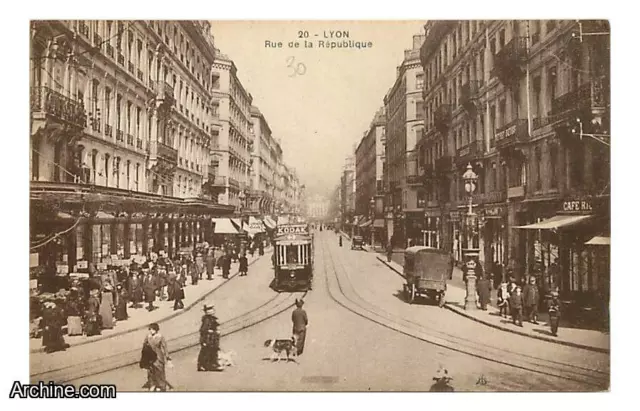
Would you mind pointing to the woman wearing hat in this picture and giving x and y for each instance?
(107, 307)
(74, 312)
(92, 316)
(209, 341)
(53, 320)
(121, 306)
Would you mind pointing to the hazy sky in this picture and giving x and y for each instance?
(320, 113)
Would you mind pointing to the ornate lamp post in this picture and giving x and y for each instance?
(470, 181)
(372, 215)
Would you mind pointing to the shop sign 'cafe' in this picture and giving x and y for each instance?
(577, 206)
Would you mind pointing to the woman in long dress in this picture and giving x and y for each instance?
(74, 313)
(106, 307)
(156, 374)
(92, 317)
(53, 319)
(121, 306)
(209, 341)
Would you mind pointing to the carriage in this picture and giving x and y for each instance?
(293, 257)
(426, 271)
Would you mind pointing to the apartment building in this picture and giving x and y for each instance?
(526, 105)
(404, 205)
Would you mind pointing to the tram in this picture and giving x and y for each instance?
(293, 257)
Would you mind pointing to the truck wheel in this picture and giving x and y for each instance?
(441, 299)
(412, 295)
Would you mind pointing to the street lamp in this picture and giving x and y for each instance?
(470, 180)
(372, 208)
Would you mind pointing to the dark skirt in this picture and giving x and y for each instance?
(208, 358)
(52, 339)
(121, 310)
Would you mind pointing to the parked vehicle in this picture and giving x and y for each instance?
(426, 271)
(357, 242)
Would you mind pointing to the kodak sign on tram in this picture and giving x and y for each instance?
(293, 229)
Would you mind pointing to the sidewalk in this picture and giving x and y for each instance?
(140, 318)
(456, 292)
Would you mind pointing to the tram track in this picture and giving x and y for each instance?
(342, 291)
(267, 310)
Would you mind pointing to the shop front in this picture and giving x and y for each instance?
(493, 220)
(415, 228)
(431, 235)
(559, 253)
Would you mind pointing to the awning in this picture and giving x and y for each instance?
(559, 221)
(224, 226)
(365, 224)
(255, 226)
(378, 223)
(269, 222)
(599, 240)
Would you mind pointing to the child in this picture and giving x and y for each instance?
(517, 302)
(554, 313)
(503, 299)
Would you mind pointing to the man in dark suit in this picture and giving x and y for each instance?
(531, 296)
(300, 322)
(484, 292)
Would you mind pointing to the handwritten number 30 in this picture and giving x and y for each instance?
(298, 70)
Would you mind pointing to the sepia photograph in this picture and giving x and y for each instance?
(319, 205)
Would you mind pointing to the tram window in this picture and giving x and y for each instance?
(292, 254)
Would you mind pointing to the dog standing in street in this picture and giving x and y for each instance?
(280, 347)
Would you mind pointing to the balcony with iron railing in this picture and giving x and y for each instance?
(167, 152)
(468, 94)
(469, 152)
(54, 105)
(491, 197)
(119, 135)
(510, 59)
(442, 118)
(512, 133)
(591, 96)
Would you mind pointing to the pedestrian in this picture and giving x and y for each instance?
(156, 374)
(107, 307)
(484, 292)
(178, 294)
(74, 313)
(389, 251)
(531, 297)
(121, 306)
(244, 265)
(554, 313)
(260, 248)
(193, 272)
(503, 299)
(92, 321)
(300, 322)
(135, 289)
(209, 341)
(171, 284)
(149, 289)
(211, 262)
(52, 322)
(340, 241)
(226, 266)
(516, 302)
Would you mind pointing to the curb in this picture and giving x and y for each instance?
(172, 315)
(537, 337)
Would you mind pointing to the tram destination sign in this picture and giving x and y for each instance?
(292, 229)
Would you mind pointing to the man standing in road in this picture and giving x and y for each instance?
(300, 322)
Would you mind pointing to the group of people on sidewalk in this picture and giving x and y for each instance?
(95, 303)
(520, 301)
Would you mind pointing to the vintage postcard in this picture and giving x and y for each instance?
(319, 206)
